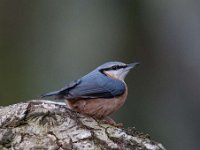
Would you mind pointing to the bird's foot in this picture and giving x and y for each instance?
(110, 121)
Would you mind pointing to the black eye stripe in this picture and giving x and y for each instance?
(115, 67)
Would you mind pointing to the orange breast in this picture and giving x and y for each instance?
(98, 108)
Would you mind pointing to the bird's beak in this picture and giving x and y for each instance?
(132, 65)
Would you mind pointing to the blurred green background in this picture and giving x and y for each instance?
(45, 44)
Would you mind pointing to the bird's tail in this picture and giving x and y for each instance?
(54, 93)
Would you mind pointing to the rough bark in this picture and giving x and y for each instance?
(46, 125)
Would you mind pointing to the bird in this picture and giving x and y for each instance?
(99, 93)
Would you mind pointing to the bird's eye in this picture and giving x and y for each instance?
(115, 67)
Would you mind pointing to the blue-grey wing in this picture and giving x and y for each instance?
(88, 91)
(95, 86)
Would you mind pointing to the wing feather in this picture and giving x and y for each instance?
(91, 86)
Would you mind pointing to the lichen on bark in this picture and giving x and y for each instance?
(41, 124)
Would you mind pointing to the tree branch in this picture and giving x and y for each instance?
(46, 125)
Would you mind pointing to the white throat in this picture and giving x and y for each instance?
(117, 74)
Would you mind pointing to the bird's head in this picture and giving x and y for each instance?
(116, 70)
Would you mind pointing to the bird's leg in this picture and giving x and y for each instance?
(110, 121)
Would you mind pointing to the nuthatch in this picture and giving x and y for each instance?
(99, 93)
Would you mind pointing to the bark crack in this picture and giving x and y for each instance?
(47, 125)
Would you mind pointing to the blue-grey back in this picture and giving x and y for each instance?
(97, 85)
